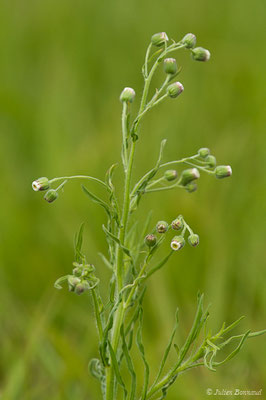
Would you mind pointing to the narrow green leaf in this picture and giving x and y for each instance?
(130, 366)
(233, 325)
(159, 265)
(235, 351)
(115, 239)
(97, 200)
(168, 348)
(78, 244)
(105, 261)
(60, 280)
(142, 352)
(116, 368)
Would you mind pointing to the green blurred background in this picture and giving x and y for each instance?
(63, 65)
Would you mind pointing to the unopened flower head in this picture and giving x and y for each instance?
(191, 187)
(211, 161)
(162, 227)
(73, 281)
(170, 66)
(177, 224)
(127, 95)
(189, 40)
(51, 195)
(170, 175)
(200, 54)
(175, 89)
(193, 240)
(177, 243)
(223, 171)
(158, 39)
(150, 240)
(41, 184)
(204, 152)
(189, 175)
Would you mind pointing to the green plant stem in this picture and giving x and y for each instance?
(92, 178)
(125, 134)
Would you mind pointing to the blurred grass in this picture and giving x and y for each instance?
(63, 65)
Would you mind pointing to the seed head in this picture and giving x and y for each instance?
(189, 175)
(170, 175)
(204, 152)
(150, 240)
(223, 171)
(177, 243)
(170, 66)
(41, 184)
(127, 95)
(51, 195)
(162, 227)
(189, 40)
(200, 54)
(175, 89)
(211, 160)
(177, 224)
(193, 240)
(158, 39)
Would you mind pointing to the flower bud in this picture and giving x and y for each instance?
(51, 195)
(158, 39)
(177, 224)
(223, 171)
(200, 54)
(177, 243)
(127, 95)
(189, 175)
(73, 281)
(191, 187)
(189, 40)
(211, 161)
(175, 89)
(40, 184)
(204, 152)
(80, 288)
(170, 66)
(162, 227)
(150, 240)
(170, 175)
(193, 240)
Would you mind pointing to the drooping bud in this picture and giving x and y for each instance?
(189, 40)
(200, 54)
(189, 175)
(170, 66)
(127, 95)
(193, 240)
(211, 161)
(177, 243)
(177, 224)
(51, 195)
(191, 187)
(170, 175)
(162, 227)
(175, 89)
(204, 152)
(158, 39)
(150, 240)
(223, 171)
(73, 281)
(41, 184)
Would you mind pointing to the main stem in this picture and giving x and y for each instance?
(119, 316)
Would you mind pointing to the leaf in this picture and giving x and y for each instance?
(233, 325)
(105, 261)
(108, 327)
(109, 176)
(159, 265)
(142, 352)
(115, 239)
(235, 351)
(78, 243)
(168, 348)
(116, 368)
(97, 200)
(130, 366)
(60, 280)
(96, 369)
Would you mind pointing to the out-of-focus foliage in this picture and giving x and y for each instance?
(62, 67)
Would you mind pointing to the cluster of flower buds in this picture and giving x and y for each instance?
(187, 179)
(82, 279)
(221, 171)
(43, 184)
(197, 53)
(178, 242)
